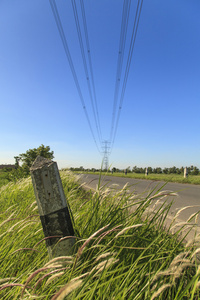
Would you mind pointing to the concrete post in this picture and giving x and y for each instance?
(52, 206)
(185, 172)
(146, 172)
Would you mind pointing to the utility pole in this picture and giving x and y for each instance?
(106, 153)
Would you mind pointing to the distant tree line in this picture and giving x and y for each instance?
(26, 159)
(192, 170)
(82, 169)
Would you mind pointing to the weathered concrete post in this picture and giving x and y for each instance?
(146, 172)
(52, 206)
(185, 172)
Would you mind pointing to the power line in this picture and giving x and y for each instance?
(132, 44)
(85, 63)
(123, 34)
(122, 42)
(90, 62)
(67, 52)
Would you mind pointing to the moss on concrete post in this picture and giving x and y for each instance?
(52, 206)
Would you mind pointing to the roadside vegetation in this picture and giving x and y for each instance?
(166, 175)
(191, 179)
(192, 170)
(3, 178)
(121, 251)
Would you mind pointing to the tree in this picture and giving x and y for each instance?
(135, 169)
(31, 154)
(17, 159)
(158, 170)
(128, 169)
(195, 171)
(27, 160)
(142, 170)
(172, 170)
(165, 170)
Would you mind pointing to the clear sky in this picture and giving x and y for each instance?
(159, 123)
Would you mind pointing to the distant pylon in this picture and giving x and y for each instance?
(106, 153)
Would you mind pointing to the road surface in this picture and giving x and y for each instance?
(188, 195)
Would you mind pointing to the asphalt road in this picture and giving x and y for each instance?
(188, 195)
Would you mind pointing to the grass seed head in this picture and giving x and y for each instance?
(67, 289)
(89, 239)
(55, 265)
(60, 258)
(195, 252)
(179, 270)
(8, 219)
(198, 285)
(104, 265)
(179, 261)
(38, 283)
(127, 228)
(182, 209)
(53, 277)
(3, 280)
(160, 274)
(192, 217)
(104, 255)
(160, 290)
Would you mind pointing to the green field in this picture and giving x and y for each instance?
(121, 252)
(191, 179)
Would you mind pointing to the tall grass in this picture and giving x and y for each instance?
(121, 252)
(3, 178)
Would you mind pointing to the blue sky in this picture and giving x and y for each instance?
(39, 102)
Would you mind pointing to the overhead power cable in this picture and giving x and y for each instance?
(67, 52)
(90, 63)
(122, 42)
(132, 44)
(95, 112)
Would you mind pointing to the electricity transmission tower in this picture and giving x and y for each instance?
(106, 153)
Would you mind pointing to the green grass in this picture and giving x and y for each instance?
(191, 179)
(3, 178)
(121, 252)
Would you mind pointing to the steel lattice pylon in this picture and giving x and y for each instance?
(106, 154)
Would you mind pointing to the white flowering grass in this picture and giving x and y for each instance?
(122, 250)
